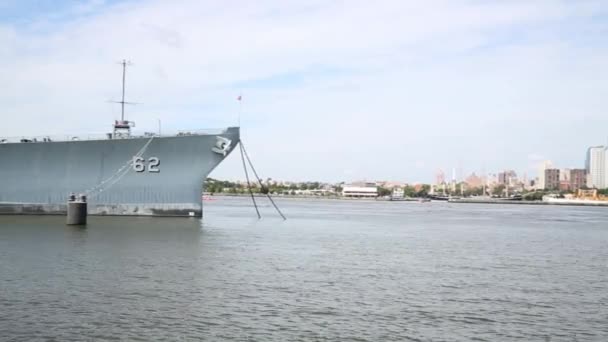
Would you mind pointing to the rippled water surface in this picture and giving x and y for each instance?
(336, 270)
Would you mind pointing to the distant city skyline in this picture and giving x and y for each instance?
(594, 174)
(330, 91)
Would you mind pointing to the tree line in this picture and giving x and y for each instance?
(268, 186)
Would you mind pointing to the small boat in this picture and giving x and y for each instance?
(424, 200)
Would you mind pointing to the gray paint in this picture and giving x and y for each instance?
(38, 177)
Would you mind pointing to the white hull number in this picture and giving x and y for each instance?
(139, 164)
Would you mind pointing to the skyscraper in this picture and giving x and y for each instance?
(541, 173)
(595, 165)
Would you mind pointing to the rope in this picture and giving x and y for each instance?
(259, 180)
(249, 184)
(118, 175)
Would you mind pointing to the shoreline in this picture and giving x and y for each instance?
(332, 198)
(417, 200)
(562, 202)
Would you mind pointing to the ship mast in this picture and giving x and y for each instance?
(122, 128)
(122, 103)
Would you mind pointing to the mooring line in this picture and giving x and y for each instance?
(260, 180)
(121, 172)
(248, 183)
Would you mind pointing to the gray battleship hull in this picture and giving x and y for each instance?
(156, 176)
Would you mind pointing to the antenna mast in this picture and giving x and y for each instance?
(122, 128)
(122, 103)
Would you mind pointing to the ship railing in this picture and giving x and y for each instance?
(108, 136)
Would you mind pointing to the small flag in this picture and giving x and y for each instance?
(239, 98)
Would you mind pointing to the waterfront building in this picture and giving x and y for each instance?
(398, 193)
(595, 165)
(360, 190)
(578, 179)
(552, 179)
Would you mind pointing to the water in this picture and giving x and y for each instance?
(336, 270)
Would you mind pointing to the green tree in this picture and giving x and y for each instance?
(409, 191)
(424, 191)
(384, 191)
(473, 192)
(534, 196)
(498, 190)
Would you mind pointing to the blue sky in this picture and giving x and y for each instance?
(20, 11)
(24, 13)
(333, 90)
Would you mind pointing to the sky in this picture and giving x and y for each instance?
(331, 90)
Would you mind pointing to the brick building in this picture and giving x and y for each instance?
(578, 179)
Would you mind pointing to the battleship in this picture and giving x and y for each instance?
(120, 173)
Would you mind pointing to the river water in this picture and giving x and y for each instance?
(334, 271)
